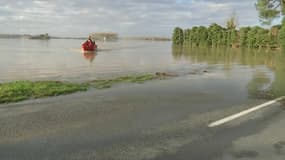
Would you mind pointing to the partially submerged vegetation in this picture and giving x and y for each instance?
(107, 83)
(23, 90)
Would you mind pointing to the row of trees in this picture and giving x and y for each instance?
(216, 35)
(254, 37)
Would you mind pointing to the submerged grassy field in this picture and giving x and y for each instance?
(23, 90)
(107, 83)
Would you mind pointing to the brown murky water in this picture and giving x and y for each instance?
(139, 121)
(63, 60)
(263, 71)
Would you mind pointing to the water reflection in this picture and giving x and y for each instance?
(262, 84)
(89, 56)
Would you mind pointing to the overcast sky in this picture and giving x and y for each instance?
(126, 17)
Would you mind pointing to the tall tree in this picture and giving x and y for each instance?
(194, 36)
(282, 35)
(202, 35)
(232, 22)
(178, 36)
(273, 36)
(214, 32)
(252, 37)
(270, 9)
(224, 39)
(187, 35)
(262, 38)
(243, 36)
(233, 37)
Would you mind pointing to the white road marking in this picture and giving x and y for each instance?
(245, 112)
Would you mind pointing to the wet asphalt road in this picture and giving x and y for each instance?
(160, 120)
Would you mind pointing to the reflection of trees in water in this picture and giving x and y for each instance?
(209, 55)
(274, 60)
(278, 86)
(227, 56)
(177, 51)
(283, 104)
(260, 87)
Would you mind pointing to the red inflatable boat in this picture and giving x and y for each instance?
(89, 46)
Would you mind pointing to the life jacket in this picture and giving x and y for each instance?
(89, 46)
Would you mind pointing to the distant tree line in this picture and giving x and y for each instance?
(216, 35)
(251, 37)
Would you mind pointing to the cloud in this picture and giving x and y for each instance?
(127, 17)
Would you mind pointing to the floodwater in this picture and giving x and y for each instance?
(62, 59)
(163, 119)
(58, 59)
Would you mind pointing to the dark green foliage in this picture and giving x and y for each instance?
(252, 37)
(202, 35)
(194, 36)
(187, 35)
(233, 36)
(224, 40)
(282, 35)
(270, 9)
(215, 34)
(178, 37)
(262, 38)
(243, 36)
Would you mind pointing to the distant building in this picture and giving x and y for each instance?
(41, 36)
(105, 36)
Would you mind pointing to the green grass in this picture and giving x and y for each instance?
(22, 90)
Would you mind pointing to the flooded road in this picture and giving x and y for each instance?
(157, 120)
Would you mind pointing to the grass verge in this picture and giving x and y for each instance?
(23, 90)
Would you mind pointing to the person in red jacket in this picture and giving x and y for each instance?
(90, 40)
(89, 45)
